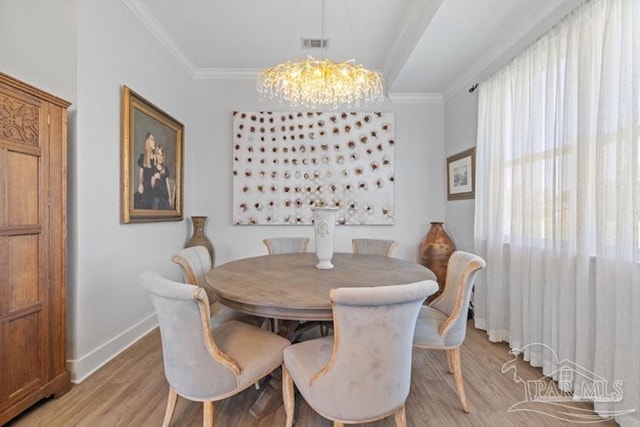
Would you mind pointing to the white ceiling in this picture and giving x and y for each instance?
(420, 46)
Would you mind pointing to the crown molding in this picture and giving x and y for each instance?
(419, 18)
(415, 98)
(148, 20)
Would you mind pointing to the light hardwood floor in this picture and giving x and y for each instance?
(131, 391)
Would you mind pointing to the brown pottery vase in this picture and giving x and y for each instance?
(199, 238)
(435, 250)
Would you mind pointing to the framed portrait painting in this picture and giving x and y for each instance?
(152, 159)
(461, 175)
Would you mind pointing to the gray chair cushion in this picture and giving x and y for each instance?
(255, 350)
(306, 359)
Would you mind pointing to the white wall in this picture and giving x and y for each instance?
(461, 123)
(110, 310)
(38, 44)
(84, 52)
(419, 191)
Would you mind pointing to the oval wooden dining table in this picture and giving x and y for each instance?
(289, 286)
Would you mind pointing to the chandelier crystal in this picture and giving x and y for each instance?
(313, 83)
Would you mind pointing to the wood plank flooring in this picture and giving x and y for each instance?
(131, 390)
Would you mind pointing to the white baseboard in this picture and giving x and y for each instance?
(82, 368)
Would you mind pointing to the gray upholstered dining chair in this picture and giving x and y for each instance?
(442, 324)
(373, 246)
(362, 373)
(286, 245)
(196, 262)
(202, 363)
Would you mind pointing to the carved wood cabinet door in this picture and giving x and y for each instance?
(32, 246)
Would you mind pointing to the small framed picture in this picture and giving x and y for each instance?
(151, 168)
(461, 175)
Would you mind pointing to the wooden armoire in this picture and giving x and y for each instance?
(33, 246)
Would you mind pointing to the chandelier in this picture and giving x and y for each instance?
(321, 83)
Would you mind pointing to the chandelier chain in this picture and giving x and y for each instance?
(353, 39)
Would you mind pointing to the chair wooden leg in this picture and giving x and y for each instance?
(457, 375)
(207, 416)
(447, 354)
(338, 424)
(171, 407)
(288, 396)
(401, 417)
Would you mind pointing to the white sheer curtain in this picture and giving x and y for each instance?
(558, 198)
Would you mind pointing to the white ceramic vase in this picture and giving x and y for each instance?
(324, 220)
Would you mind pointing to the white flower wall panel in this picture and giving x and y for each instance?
(284, 164)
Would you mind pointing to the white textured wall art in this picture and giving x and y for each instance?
(284, 164)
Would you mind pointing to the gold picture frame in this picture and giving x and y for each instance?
(152, 158)
(461, 175)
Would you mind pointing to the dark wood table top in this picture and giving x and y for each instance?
(288, 286)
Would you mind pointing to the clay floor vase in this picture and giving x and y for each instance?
(435, 250)
(199, 238)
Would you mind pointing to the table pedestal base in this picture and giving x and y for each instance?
(271, 397)
(269, 400)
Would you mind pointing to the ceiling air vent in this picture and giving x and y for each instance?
(315, 43)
